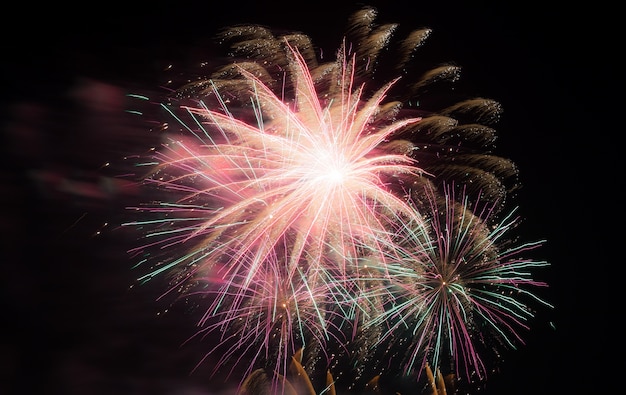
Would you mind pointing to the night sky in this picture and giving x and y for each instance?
(72, 324)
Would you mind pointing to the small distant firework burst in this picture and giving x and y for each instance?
(457, 287)
(305, 204)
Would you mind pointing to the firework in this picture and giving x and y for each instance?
(307, 179)
(460, 290)
(308, 203)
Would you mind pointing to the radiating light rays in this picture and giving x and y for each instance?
(461, 291)
(317, 172)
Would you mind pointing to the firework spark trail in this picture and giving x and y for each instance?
(274, 317)
(464, 283)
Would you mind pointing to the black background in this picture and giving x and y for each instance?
(72, 324)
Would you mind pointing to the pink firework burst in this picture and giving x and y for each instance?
(311, 180)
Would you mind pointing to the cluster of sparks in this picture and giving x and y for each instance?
(306, 208)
